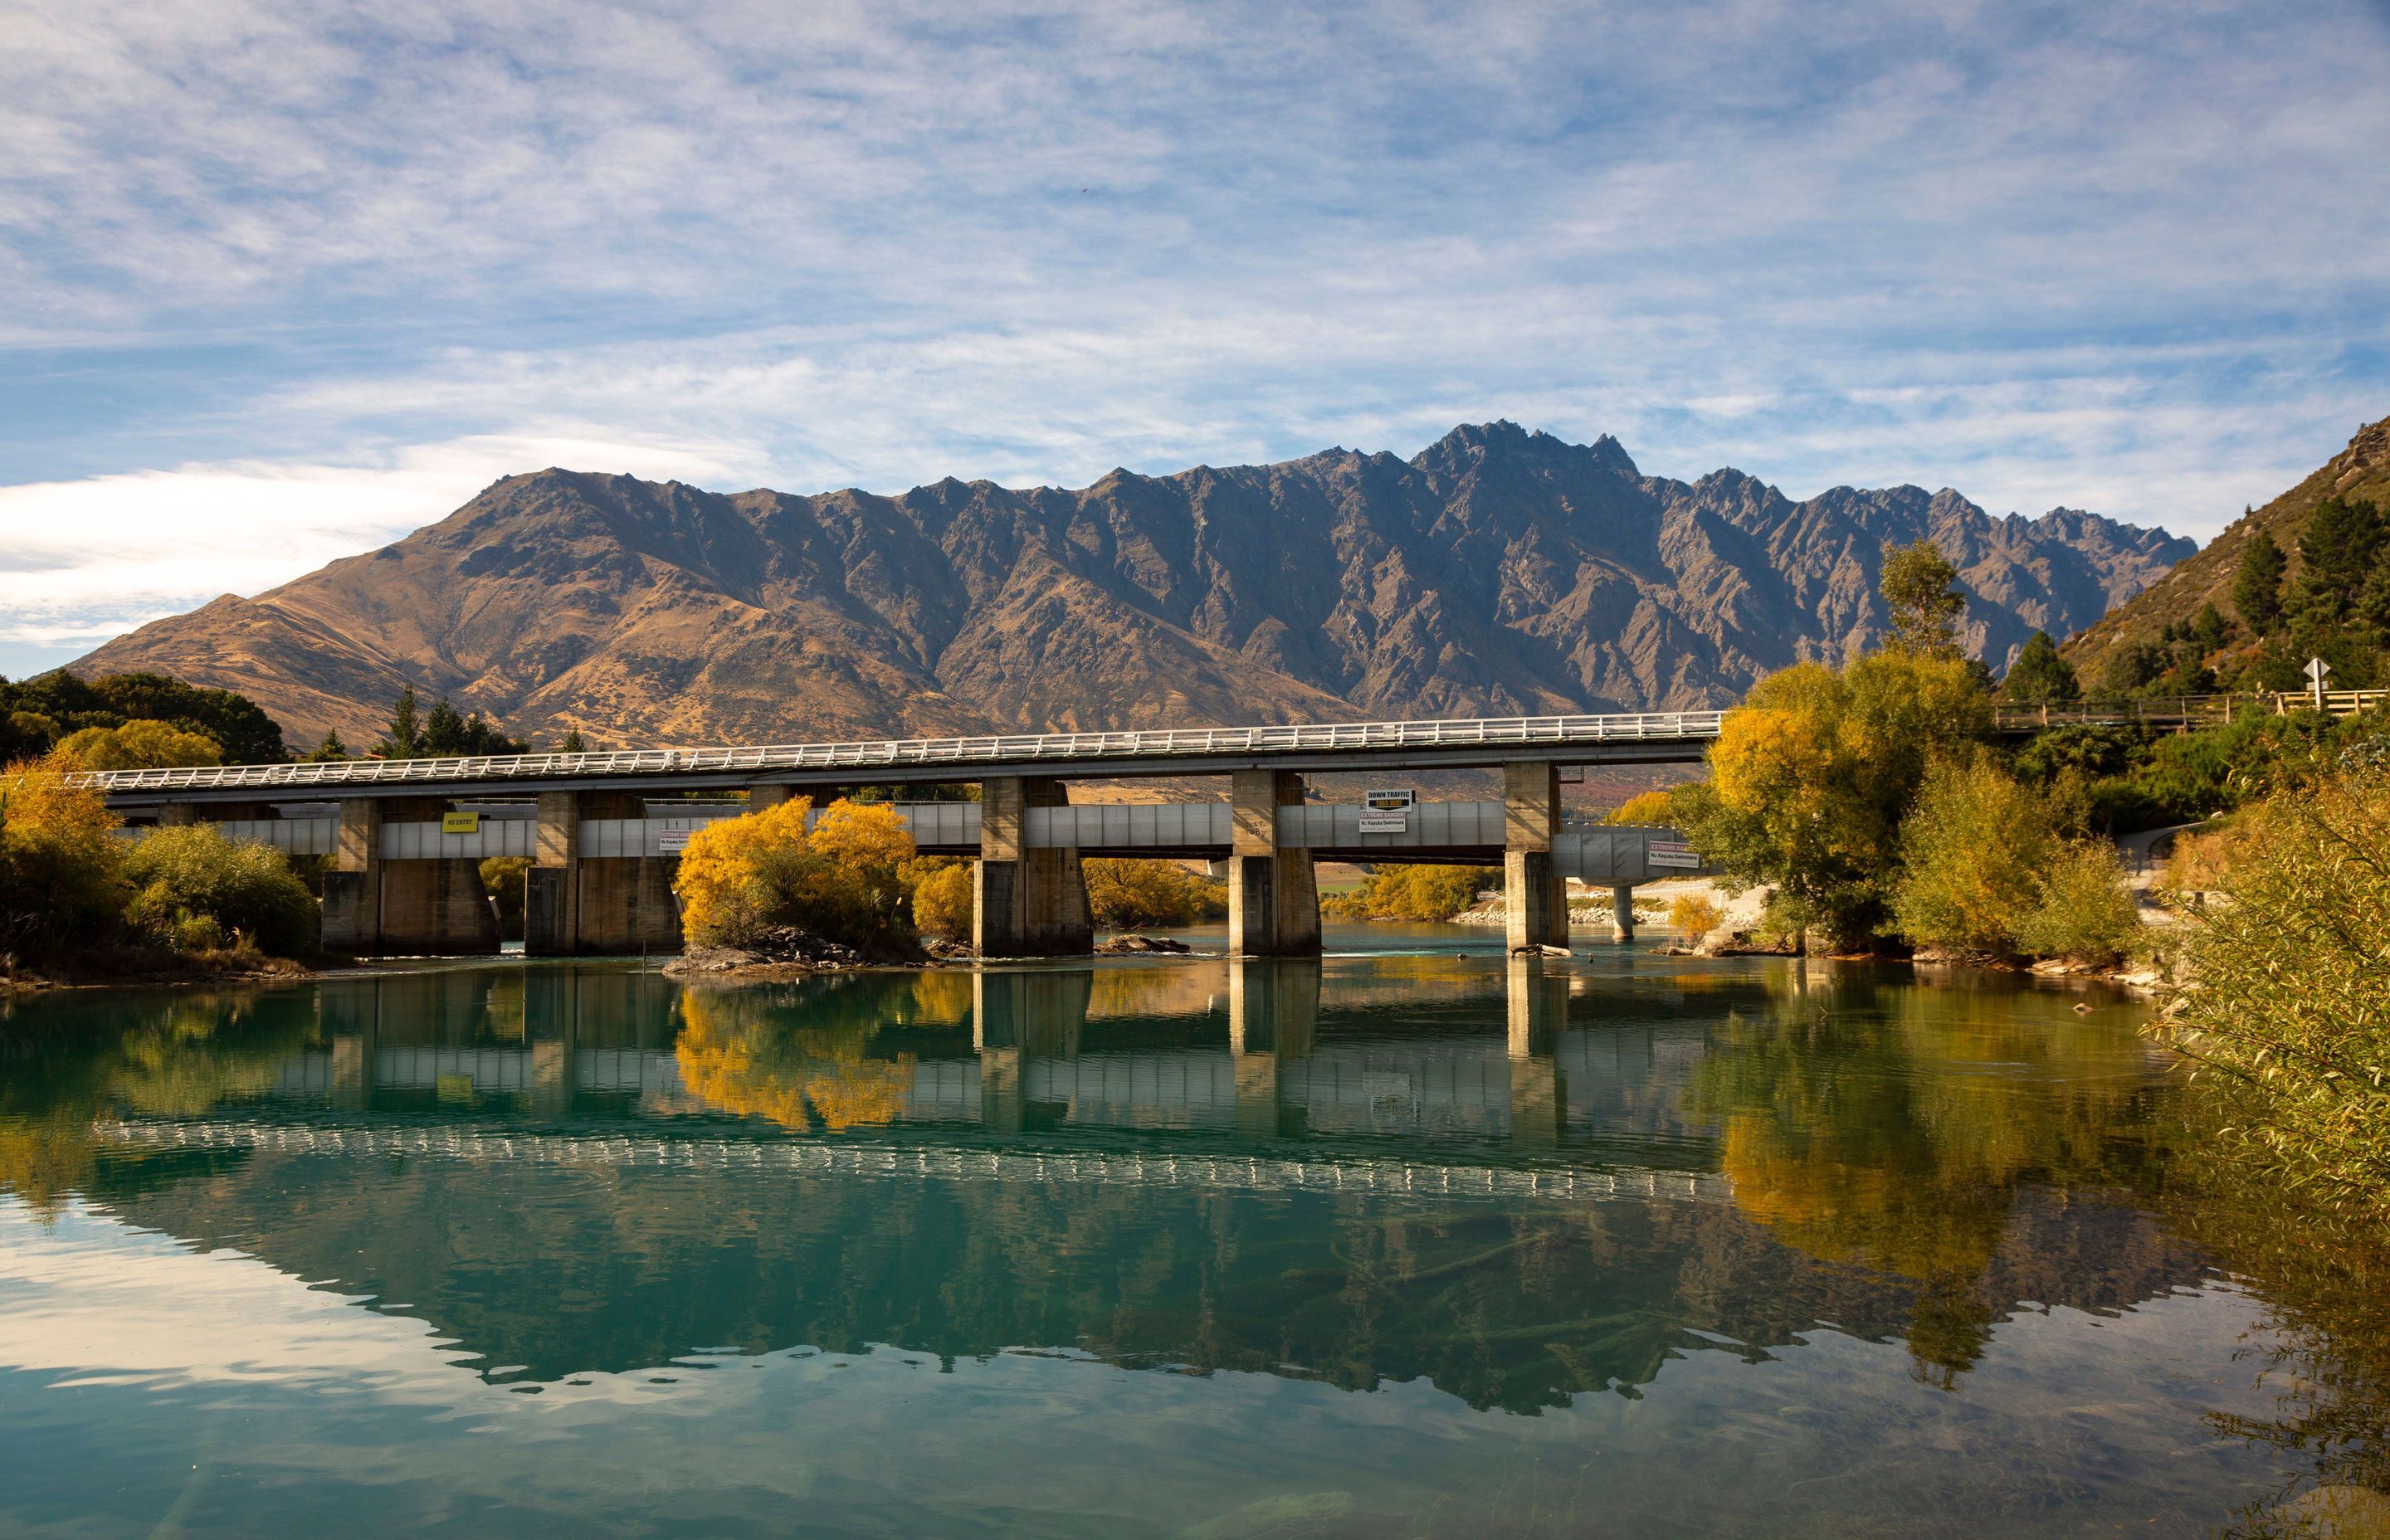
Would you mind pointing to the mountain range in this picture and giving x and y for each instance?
(1497, 572)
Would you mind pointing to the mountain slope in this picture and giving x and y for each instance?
(2360, 472)
(1497, 572)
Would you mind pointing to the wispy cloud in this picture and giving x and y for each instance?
(2124, 257)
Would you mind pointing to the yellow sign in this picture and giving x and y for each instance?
(460, 823)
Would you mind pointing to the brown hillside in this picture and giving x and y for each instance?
(2360, 470)
(1499, 571)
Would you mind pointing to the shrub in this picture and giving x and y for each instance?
(139, 746)
(1969, 854)
(1425, 893)
(2082, 911)
(943, 900)
(1695, 914)
(60, 883)
(194, 890)
(844, 881)
(1127, 896)
(2292, 1014)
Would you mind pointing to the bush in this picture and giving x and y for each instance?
(1427, 892)
(1644, 807)
(2292, 1014)
(1969, 857)
(2082, 911)
(1695, 915)
(194, 890)
(843, 880)
(1128, 895)
(943, 899)
(60, 883)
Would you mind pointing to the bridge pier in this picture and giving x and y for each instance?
(576, 904)
(1273, 895)
(379, 907)
(1534, 895)
(1272, 1017)
(352, 882)
(1621, 912)
(1028, 901)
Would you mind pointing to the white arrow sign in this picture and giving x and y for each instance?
(2317, 668)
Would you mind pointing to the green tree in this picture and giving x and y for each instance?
(331, 750)
(139, 746)
(1970, 854)
(1132, 895)
(403, 739)
(2039, 677)
(2208, 629)
(571, 743)
(1809, 781)
(447, 733)
(2133, 667)
(60, 862)
(2257, 587)
(1918, 586)
(2337, 555)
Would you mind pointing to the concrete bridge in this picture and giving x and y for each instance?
(403, 875)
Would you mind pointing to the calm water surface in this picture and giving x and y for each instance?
(1423, 1244)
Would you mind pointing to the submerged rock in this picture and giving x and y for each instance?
(1143, 943)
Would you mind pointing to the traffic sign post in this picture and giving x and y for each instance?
(2315, 670)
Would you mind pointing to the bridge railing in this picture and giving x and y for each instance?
(961, 752)
(2184, 711)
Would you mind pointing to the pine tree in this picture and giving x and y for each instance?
(2258, 590)
(2039, 677)
(572, 744)
(328, 751)
(403, 738)
(2337, 555)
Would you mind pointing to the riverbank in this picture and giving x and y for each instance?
(150, 967)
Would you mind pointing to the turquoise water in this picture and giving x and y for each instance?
(1413, 1241)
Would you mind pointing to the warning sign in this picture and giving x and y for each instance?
(460, 823)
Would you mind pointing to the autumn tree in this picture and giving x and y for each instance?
(139, 746)
(1133, 894)
(843, 880)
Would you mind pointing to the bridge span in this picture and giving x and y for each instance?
(404, 837)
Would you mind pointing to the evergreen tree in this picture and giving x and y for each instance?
(1918, 586)
(2336, 556)
(572, 744)
(403, 738)
(328, 751)
(2207, 629)
(2258, 590)
(2039, 677)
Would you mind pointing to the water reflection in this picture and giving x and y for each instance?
(1520, 1181)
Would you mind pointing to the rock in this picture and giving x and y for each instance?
(1144, 943)
(1532, 950)
(782, 947)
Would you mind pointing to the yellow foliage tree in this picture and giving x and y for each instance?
(1420, 892)
(1644, 807)
(943, 900)
(842, 881)
(1125, 894)
(141, 745)
(60, 865)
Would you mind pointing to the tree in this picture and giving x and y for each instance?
(1644, 807)
(2039, 677)
(1134, 894)
(844, 882)
(2257, 588)
(37, 713)
(2337, 555)
(1809, 781)
(2208, 629)
(330, 751)
(2133, 668)
(943, 901)
(403, 738)
(1417, 892)
(447, 733)
(1918, 584)
(571, 743)
(1969, 854)
(139, 746)
(60, 887)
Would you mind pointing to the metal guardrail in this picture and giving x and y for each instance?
(1192, 743)
(2184, 711)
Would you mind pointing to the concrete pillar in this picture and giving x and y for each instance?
(352, 882)
(1537, 998)
(552, 886)
(1273, 1020)
(1621, 912)
(1273, 896)
(1027, 903)
(1534, 896)
(177, 814)
(1016, 1017)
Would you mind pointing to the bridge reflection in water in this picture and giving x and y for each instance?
(1520, 1179)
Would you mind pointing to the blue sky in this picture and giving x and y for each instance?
(279, 282)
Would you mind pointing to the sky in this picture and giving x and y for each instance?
(280, 282)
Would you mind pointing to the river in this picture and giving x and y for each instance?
(1414, 1241)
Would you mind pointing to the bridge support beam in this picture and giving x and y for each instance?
(583, 905)
(352, 882)
(1273, 895)
(1534, 895)
(1026, 903)
(1621, 912)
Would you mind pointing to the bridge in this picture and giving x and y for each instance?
(403, 874)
